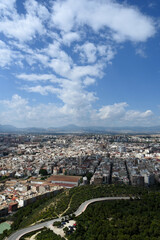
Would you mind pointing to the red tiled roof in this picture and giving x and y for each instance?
(64, 178)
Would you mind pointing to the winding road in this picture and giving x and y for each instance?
(17, 235)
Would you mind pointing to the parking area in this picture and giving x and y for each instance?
(70, 224)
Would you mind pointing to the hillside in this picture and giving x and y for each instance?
(66, 203)
(120, 220)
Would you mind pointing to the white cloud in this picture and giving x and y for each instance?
(106, 51)
(114, 111)
(95, 70)
(60, 67)
(123, 117)
(63, 64)
(43, 90)
(121, 19)
(87, 52)
(43, 59)
(89, 81)
(77, 109)
(22, 27)
(5, 54)
(72, 93)
(55, 52)
(68, 91)
(8, 56)
(20, 113)
(38, 77)
(75, 99)
(34, 8)
(7, 7)
(68, 38)
(60, 61)
(132, 115)
(15, 103)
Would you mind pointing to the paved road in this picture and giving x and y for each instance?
(85, 204)
(20, 233)
(81, 209)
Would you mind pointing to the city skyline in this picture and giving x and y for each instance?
(88, 63)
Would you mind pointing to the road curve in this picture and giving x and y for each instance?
(85, 204)
(17, 235)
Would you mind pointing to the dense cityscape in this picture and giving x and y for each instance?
(36, 166)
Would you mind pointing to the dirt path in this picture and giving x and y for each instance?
(66, 208)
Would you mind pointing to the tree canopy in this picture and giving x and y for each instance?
(43, 172)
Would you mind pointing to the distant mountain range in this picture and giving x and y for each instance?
(76, 129)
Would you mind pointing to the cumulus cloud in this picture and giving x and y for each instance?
(75, 98)
(73, 94)
(121, 19)
(15, 103)
(106, 51)
(119, 113)
(137, 115)
(114, 111)
(19, 111)
(78, 97)
(23, 27)
(7, 7)
(95, 70)
(89, 81)
(36, 9)
(87, 52)
(68, 38)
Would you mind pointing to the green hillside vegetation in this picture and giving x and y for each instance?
(137, 219)
(48, 235)
(83, 193)
(66, 203)
(46, 209)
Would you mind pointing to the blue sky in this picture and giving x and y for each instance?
(84, 62)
